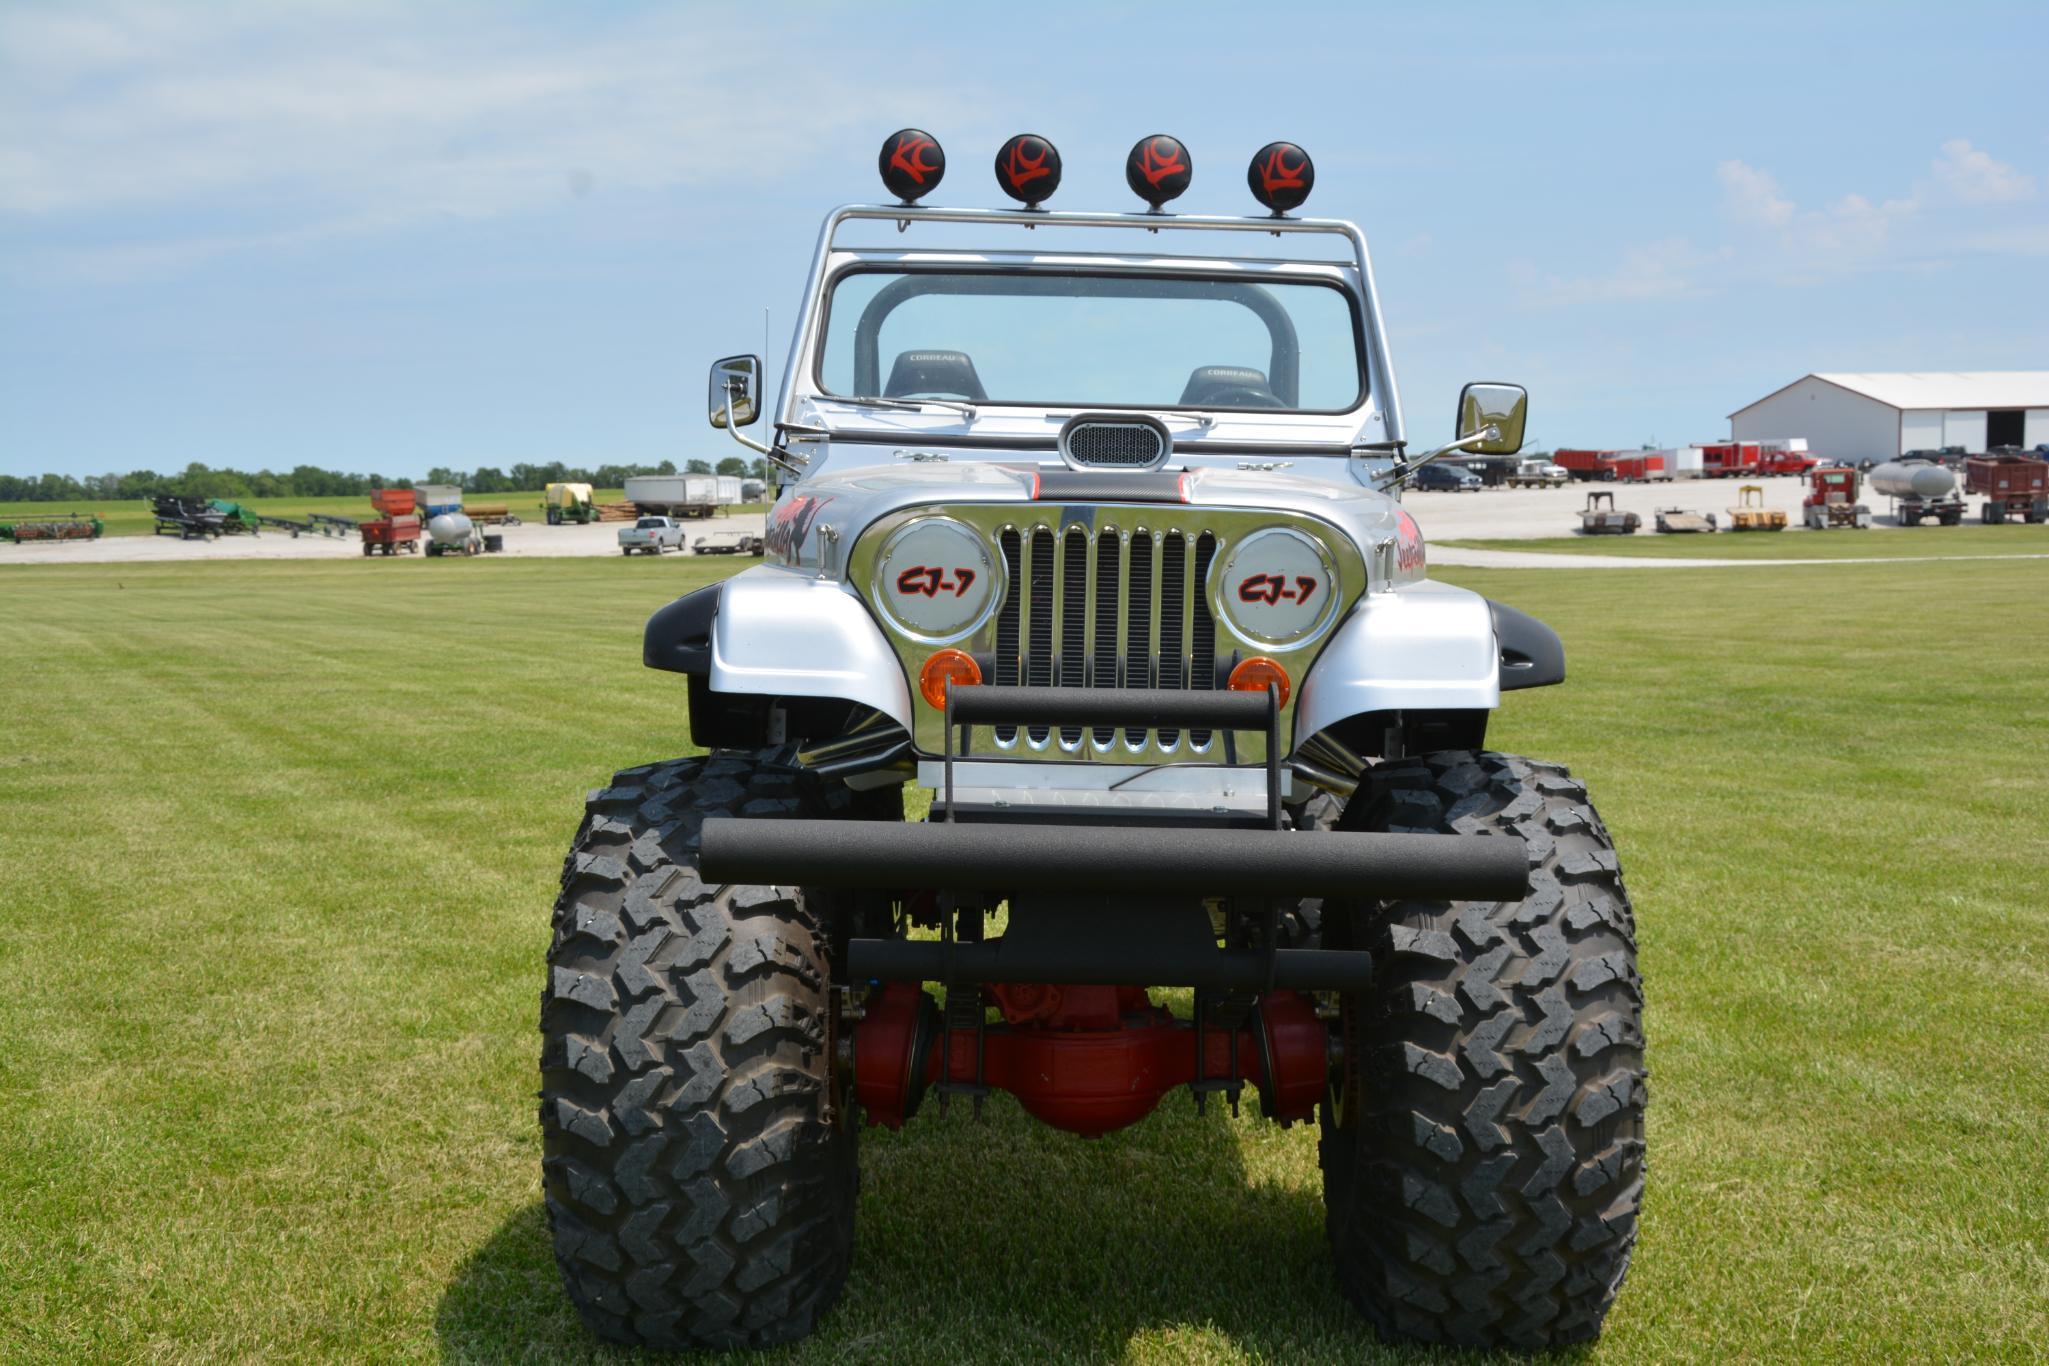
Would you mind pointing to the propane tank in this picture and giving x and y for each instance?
(451, 530)
(1913, 479)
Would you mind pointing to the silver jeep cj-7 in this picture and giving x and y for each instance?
(1097, 547)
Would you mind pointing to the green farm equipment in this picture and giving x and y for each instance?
(235, 518)
(79, 526)
(569, 503)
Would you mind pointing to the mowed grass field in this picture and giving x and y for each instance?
(279, 842)
(1870, 543)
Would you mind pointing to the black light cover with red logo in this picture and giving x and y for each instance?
(912, 164)
(1281, 176)
(1028, 169)
(1158, 169)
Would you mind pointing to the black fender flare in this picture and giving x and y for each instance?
(678, 636)
(1532, 655)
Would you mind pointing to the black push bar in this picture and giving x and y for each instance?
(1121, 860)
(1083, 964)
(1150, 708)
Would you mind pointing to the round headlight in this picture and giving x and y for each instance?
(1276, 588)
(936, 579)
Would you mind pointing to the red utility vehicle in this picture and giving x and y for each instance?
(1639, 467)
(1785, 456)
(1728, 459)
(1581, 465)
(2016, 487)
(1628, 467)
(1832, 500)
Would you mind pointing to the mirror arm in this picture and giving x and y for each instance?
(1403, 469)
(783, 460)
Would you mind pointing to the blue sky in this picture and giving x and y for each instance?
(386, 237)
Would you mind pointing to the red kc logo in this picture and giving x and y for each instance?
(1156, 164)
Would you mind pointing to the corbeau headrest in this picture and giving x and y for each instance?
(943, 374)
(1208, 379)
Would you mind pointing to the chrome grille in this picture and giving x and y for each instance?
(1106, 609)
(1114, 445)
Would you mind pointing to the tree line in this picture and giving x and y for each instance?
(310, 481)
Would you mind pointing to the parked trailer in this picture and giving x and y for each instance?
(1681, 462)
(2016, 487)
(390, 535)
(1750, 513)
(79, 526)
(1831, 500)
(398, 529)
(1599, 518)
(1731, 459)
(1921, 490)
(682, 495)
(1636, 467)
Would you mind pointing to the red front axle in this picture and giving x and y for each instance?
(1087, 1059)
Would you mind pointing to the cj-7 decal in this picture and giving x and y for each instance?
(1273, 588)
(931, 580)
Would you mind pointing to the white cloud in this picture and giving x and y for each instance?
(1974, 177)
(1670, 268)
(1752, 196)
(1852, 224)
(332, 116)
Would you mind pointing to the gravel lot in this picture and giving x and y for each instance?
(534, 538)
(1488, 514)
(1491, 514)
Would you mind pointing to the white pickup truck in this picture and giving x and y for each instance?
(652, 535)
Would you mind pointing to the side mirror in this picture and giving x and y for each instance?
(1504, 407)
(735, 399)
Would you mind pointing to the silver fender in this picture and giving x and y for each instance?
(782, 633)
(1424, 646)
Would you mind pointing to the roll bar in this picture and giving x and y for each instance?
(903, 215)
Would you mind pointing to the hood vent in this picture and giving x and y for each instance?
(1114, 441)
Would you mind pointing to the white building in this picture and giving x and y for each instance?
(1854, 417)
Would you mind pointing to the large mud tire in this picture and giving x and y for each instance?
(1483, 1161)
(699, 1178)
(1301, 920)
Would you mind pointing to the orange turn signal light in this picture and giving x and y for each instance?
(942, 671)
(1253, 675)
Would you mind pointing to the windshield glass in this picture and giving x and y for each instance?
(1096, 340)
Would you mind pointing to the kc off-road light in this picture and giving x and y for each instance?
(945, 669)
(1158, 169)
(1281, 176)
(1028, 169)
(1254, 674)
(1274, 589)
(935, 580)
(912, 164)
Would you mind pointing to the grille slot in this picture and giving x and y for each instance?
(1115, 445)
(1100, 609)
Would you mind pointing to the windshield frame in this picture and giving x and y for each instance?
(1069, 268)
